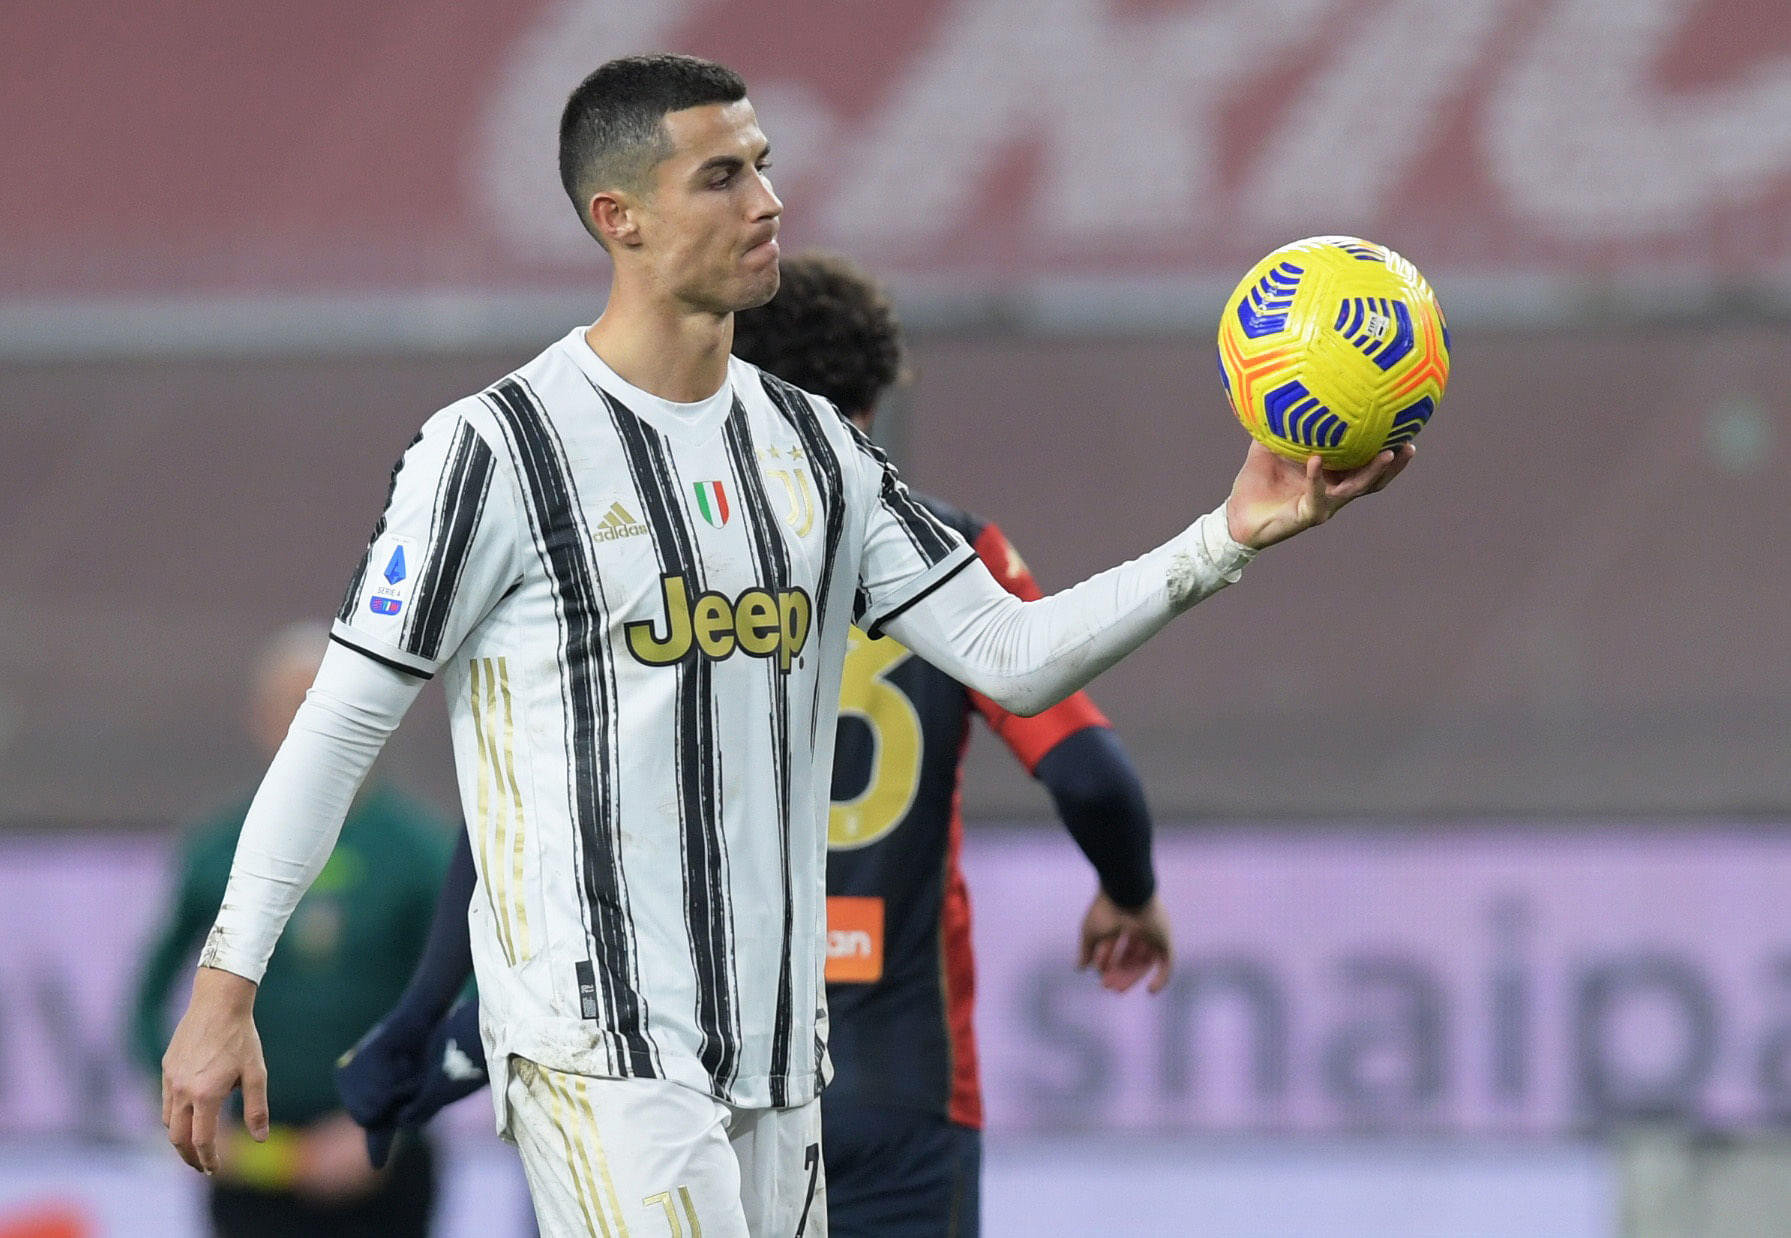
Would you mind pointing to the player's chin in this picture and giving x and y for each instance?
(758, 283)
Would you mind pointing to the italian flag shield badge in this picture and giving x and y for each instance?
(712, 501)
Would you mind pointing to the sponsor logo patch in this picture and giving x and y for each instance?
(758, 623)
(854, 940)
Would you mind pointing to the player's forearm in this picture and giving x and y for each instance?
(1100, 799)
(447, 959)
(1027, 656)
(292, 826)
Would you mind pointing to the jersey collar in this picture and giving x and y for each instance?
(675, 420)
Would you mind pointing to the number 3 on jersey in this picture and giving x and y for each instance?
(867, 694)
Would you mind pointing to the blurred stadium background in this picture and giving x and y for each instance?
(1474, 808)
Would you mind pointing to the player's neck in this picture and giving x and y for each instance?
(673, 353)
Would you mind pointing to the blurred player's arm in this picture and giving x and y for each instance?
(1126, 933)
(453, 1065)
(1071, 749)
(391, 1069)
(446, 1064)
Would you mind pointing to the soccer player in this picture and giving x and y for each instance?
(903, 1113)
(643, 655)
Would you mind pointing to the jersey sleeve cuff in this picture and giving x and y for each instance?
(872, 621)
(1225, 555)
(223, 952)
(381, 652)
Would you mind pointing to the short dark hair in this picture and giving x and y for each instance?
(830, 330)
(611, 132)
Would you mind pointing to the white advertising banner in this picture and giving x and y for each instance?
(1519, 980)
(1516, 980)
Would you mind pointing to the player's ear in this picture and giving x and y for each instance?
(615, 217)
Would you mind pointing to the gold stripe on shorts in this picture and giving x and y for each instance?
(578, 1159)
(609, 1186)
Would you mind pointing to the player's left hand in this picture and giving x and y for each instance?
(1274, 498)
(1123, 946)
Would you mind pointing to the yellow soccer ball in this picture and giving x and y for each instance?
(1333, 345)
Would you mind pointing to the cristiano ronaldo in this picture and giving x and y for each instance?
(642, 656)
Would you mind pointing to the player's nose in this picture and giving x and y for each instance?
(766, 204)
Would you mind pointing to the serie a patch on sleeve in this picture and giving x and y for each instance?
(392, 572)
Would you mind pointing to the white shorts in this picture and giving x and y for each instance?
(644, 1158)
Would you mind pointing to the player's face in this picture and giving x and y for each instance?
(710, 225)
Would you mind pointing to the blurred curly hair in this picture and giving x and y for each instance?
(830, 330)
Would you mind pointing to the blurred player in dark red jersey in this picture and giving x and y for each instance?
(902, 1117)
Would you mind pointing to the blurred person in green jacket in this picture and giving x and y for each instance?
(343, 962)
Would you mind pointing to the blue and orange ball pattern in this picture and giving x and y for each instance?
(1336, 346)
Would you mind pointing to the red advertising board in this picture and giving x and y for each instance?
(199, 146)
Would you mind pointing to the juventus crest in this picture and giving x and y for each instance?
(799, 491)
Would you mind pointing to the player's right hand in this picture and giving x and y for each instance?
(1274, 498)
(214, 1050)
(1123, 946)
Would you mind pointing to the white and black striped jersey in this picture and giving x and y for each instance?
(640, 611)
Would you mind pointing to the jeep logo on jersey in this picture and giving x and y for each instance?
(757, 623)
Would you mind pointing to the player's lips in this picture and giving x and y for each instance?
(764, 248)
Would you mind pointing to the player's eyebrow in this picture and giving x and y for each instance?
(731, 163)
(720, 163)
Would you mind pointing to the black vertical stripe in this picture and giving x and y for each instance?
(771, 561)
(468, 482)
(799, 411)
(927, 534)
(794, 404)
(346, 614)
(707, 913)
(444, 490)
(587, 680)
